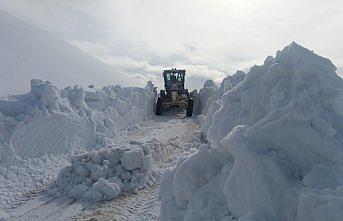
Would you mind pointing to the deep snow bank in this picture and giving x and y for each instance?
(212, 102)
(276, 148)
(52, 121)
(41, 129)
(205, 96)
(210, 93)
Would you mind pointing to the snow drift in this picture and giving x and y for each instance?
(275, 148)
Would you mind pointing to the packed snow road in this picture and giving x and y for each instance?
(170, 135)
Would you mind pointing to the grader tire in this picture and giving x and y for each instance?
(158, 110)
(189, 111)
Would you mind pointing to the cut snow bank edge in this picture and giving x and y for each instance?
(52, 121)
(275, 148)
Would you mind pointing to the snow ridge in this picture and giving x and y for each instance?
(275, 148)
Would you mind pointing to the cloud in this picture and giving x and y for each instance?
(210, 38)
(143, 70)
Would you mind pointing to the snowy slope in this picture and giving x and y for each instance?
(275, 149)
(27, 52)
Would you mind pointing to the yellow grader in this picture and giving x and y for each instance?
(174, 94)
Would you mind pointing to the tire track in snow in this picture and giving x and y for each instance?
(171, 135)
(143, 205)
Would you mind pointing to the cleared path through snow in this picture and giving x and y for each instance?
(173, 132)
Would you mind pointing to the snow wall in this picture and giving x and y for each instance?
(51, 121)
(41, 130)
(275, 147)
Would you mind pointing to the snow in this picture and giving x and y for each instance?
(160, 138)
(28, 52)
(104, 174)
(231, 81)
(75, 117)
(213, 103)
(3, 216)
(275, 147)
(41, 129)
(109, 189)
(132, 159)
(210, 93)
(205, 96)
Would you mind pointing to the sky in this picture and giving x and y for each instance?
(209, 38)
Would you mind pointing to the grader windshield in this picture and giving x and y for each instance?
(174, 78)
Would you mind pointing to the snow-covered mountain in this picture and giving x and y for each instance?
(275, 148)
(27, 52)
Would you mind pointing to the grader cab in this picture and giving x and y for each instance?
(174, 93)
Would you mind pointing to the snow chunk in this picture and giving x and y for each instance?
(110, 190)
(104, 174)
(45, 93)
(132, 159)
(82, 171)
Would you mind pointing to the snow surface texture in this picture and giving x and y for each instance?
(41, 129)
(104, 174)
(210, 93)
(275, 148)
(3, 216)
(213, 102)
(50, 121)
(205, 97)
